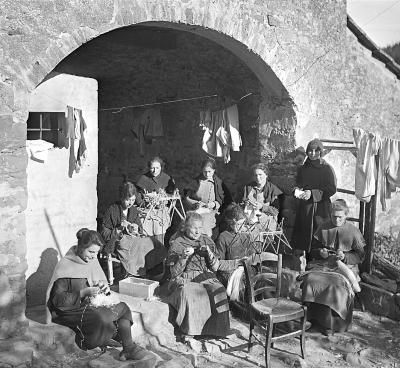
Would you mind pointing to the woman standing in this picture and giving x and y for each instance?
(316, 183)
(78, 278)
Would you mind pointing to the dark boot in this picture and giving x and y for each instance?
(143, 358)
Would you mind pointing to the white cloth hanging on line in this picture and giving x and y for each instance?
(221, 132)
(368, 145)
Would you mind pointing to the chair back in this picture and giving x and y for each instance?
(263, 275)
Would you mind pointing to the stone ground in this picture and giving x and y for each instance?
(372, 342)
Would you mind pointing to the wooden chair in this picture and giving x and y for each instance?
(266, 313)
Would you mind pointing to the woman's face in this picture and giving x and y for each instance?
(194, 230)
(314, 154)
(338, 218)
(208, 172)
(89, 254)
(155, 168)
(260, 177)
(128, 202)
(238, 225)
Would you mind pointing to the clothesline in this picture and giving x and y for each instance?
(119, 109)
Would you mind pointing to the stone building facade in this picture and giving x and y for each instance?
(308, 73)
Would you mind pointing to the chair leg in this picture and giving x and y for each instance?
(303, 333)
(110, 270)
(268, 342)
(251, 328)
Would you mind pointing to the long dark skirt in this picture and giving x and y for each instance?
(328, 318)
(202, 308)
(94, 326)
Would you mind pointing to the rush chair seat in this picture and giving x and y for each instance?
(266, 307)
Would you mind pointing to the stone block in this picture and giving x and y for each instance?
(379, 301)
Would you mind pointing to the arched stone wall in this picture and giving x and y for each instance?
(39, 35)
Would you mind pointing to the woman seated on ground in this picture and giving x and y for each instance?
(154, 180)
(76, 281)
(198, 297)
(260, 197)
(121, 228)
(208, 195)
(329, 286)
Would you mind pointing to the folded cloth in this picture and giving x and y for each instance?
(38, 149)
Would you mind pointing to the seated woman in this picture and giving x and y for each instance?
(260, 197)
(331, 280)
(155, 180)
(198, 297)
(237, 242)
(121, 226)
(207, 195)
(77, 279)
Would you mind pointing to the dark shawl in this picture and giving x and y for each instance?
(270, 191)
(319, 177)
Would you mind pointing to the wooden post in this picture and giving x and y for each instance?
(369, 254)
(361, 217)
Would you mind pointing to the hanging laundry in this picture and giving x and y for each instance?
(146, 126)
(222, 133)
(82, 149)
(75, 128)
(63, 140)
(368, 145)
(232, 115)
(389, 169)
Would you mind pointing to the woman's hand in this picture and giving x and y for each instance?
(211, 205)
(89, 291)
(305, 196)
(188, 252)
(324, 253)
(103, 287)
(339, 255)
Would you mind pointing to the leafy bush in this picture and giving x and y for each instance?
(387, 247)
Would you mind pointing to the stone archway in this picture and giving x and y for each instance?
(30, 64)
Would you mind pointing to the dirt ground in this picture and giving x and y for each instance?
(371, 342)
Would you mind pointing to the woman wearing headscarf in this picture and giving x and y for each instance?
(76, 281)
(315, 184)
(197, 296)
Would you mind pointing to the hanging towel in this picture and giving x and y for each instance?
(70, 122)
(82, 149)
(152, 124)
(368, 145)
(389, 165)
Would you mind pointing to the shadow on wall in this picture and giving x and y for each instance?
(36, 284)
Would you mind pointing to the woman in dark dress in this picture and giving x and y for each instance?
(121, 228)
(154, 179)
(78, 278)
(316, 183)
